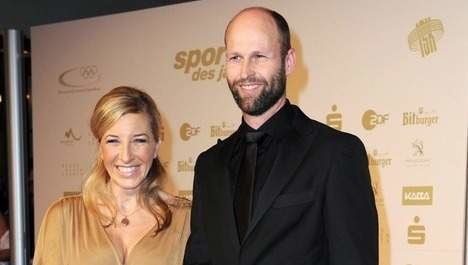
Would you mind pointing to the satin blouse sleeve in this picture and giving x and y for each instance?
(50, 243)
(182, 221)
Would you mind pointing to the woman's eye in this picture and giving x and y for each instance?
(112, 141)
(140, 140)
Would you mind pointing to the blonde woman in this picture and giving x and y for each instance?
(123, 216)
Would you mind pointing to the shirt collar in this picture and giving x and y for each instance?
(276, 126)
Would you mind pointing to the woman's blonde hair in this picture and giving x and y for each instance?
(96, 191)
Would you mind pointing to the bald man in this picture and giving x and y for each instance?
(283, 189)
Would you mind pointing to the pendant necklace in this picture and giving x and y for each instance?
(125, 221)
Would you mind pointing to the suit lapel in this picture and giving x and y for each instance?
(291, 153)
(220, 189)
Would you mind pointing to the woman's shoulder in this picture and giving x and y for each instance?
(68, 201)
(180, 203)
(180, 222)
(62, 211)
(175, 202)
(180, 208)
(66, 204)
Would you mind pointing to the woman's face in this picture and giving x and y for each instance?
(127, 150)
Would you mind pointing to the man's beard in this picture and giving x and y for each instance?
(271, 92)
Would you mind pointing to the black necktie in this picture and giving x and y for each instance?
(246, 182)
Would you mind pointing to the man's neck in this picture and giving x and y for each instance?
(256, 121)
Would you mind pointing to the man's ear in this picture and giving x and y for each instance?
(290, 61)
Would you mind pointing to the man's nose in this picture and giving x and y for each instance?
(246, 69)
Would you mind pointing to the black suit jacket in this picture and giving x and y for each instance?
(316, 208)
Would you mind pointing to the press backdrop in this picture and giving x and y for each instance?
(395, 73)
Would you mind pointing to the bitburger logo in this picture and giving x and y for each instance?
(379, 159)
(421, 117)
(186, 165)
(79, 79)
(223, 130)
(202, 64)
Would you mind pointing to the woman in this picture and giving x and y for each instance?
(122, 216)
(4, 241)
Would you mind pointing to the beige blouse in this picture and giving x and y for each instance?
(70, 235)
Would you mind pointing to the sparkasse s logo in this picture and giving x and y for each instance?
(416, 232)
(335, 118)
(202, 64)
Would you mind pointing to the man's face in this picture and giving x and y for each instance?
(254, 67)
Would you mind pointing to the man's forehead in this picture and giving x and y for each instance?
(258, 16)
(253, 20)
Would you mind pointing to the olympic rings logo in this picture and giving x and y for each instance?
(89, 71)
(80, 76)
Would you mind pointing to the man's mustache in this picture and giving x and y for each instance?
(250, 80)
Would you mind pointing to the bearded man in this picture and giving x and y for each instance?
(283, 189)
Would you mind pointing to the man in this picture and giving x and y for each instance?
(305, 195)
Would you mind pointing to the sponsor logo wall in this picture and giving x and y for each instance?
(390, 72)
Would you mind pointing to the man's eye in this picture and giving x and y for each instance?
(260, 58)
(234, 58)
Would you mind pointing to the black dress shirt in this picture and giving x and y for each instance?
(275, 129)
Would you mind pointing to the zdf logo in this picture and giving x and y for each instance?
(370, 119)
(186, 131)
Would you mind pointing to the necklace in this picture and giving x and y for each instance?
(125, 221)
